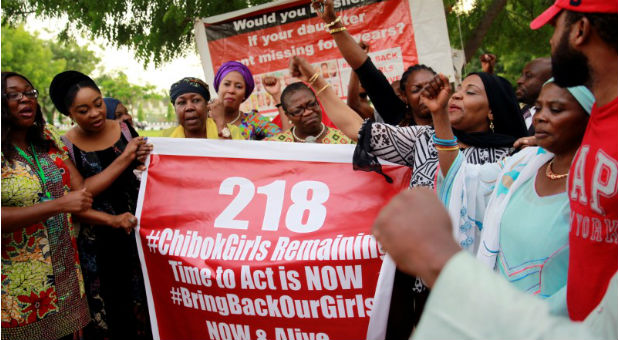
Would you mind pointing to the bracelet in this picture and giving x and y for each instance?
(314, 77)
(322, 89)
(444, 142)
(337, 30)
(447, 148)
(331, 24)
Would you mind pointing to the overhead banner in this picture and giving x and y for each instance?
(260, 240)
(401, 33)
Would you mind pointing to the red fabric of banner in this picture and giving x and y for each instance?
(383, 25)
(262, 249)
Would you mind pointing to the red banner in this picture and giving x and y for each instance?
(260, 240)
(265, 41)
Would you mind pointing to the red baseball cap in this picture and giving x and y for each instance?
(583, 6)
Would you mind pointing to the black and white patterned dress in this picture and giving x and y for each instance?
(413, 146)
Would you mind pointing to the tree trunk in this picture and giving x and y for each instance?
(474, 42)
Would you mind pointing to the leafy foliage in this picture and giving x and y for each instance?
(116, 85)
(170, 115)
(157, 30)
(161, 30)
(509, 37)
(40, 60)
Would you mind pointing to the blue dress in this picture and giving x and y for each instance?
(542, 225)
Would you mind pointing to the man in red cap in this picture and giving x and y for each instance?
(585, 52)
(467, 300)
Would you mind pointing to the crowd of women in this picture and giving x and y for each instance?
(69, 260)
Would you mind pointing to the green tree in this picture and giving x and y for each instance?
(116, 85)
(500, 27)
(160, 30)
(157, 30)
(76, 57)
(40, 60)
(140, 113)
(170, 114)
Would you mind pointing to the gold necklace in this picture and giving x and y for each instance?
(235, 119)
(551, 175)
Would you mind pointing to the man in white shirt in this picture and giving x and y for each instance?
(467, 300)
(529, 85)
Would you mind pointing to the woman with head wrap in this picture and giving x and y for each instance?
(514, 214)
(115, 110)
(234, 84)
(190, 97)
(108, 151)
(488, 122)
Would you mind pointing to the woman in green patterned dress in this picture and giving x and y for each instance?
(303, 110)
(42, 286)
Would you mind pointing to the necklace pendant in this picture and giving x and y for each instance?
(311, 139)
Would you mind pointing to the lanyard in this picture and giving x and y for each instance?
(39, 168)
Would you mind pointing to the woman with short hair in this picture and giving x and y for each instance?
(304, 112)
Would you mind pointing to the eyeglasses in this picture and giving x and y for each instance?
(15, 96)
(314, 105)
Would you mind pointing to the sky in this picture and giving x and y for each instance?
(124, 60)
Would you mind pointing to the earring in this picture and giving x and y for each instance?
(72, 122)
(491, 125)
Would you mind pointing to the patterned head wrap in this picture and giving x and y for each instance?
(189, 85)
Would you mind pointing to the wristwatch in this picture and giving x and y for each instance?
(225, 132)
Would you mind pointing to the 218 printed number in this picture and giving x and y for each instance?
(274, 193)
